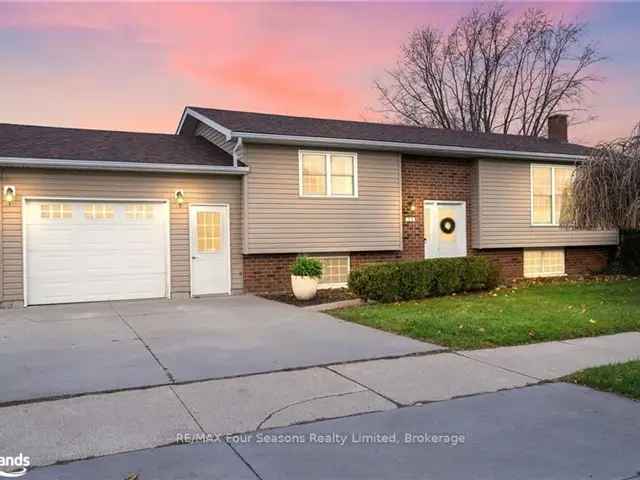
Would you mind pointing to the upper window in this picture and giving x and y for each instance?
(549, 190)
(328, 174)
(98, 211)
(55, 210)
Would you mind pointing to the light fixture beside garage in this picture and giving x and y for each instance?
(9, 193)
(179, 196)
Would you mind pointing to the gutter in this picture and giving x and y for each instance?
(120, 166)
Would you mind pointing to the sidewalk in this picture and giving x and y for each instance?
(96, 425)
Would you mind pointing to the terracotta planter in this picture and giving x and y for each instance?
(304, 288)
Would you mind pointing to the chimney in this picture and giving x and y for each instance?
(557, 127)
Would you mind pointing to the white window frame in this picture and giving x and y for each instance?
(543, 274)
(326, 286)
(553, 168)
(327, 159)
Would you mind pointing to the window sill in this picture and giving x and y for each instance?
(545, 275)
(330, 196)
(327, 286)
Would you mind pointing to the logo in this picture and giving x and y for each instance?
(18, 466)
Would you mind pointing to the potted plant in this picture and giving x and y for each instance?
(305, 274)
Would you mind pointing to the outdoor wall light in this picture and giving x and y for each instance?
(179, 195)
(410, 212)
(9, 193)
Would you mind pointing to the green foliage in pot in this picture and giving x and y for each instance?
(306, 267)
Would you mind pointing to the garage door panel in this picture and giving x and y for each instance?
(77, 259)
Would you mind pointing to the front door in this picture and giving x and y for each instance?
(209, 233)
(445, 229)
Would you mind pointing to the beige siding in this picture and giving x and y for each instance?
(279, 220)
(504, 193)
(215, 137)
(62, 183)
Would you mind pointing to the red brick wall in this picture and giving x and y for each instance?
(586, 260)
(432, 179)
(270, 273)
(509, 260)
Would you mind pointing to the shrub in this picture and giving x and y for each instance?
(307, 267)
(392, 282)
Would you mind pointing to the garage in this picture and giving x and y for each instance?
(95, 250)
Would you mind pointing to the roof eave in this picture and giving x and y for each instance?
(413, 148)
(120, 166)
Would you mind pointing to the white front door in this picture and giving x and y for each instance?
(210, 245)
(94, 250)
(445, 229)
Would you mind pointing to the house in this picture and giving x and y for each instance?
(227, 203)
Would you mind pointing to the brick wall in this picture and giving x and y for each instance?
(432, 179)
(269, 273)
(509, 260)
(586, 260)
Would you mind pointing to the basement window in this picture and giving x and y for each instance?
(544, 262)
(335, 271)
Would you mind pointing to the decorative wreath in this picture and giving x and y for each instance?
(447, 225)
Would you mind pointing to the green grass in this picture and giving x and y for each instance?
(510, 316)
(621, 378)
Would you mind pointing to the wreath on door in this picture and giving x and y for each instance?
(448, 225)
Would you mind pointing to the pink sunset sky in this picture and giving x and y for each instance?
(134, 66)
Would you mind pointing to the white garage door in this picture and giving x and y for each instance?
(94, 250)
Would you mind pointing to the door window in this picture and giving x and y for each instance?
(208, 231)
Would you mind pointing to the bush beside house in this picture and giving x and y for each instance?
(392, 282)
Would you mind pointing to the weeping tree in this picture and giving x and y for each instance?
(492, 72)
(605, 194)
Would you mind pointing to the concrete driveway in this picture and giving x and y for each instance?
(64, 350)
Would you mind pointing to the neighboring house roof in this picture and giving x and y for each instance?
(30, 142)
(239, 123)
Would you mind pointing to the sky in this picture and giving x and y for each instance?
(134, 66)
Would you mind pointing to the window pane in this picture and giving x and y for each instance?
(313, 164)
(541, 209)
(314, 185)
(335, 270)
(543, 263)
(562, 180)
(542, 195)
(341, 185)
(341, 165)
(314, 180)
(55, 210)
(208, 230)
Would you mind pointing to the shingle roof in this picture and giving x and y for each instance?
(251, 122)
(28, 141)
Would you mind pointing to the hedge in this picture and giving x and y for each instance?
(393, 282)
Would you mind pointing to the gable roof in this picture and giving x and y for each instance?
(239, 123)
(109, 147)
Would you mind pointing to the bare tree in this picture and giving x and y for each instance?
(491, 74)
(605, 191)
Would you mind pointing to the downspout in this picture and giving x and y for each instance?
(235, 151)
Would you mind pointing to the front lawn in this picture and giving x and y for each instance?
(510, 316)
(621, 378)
